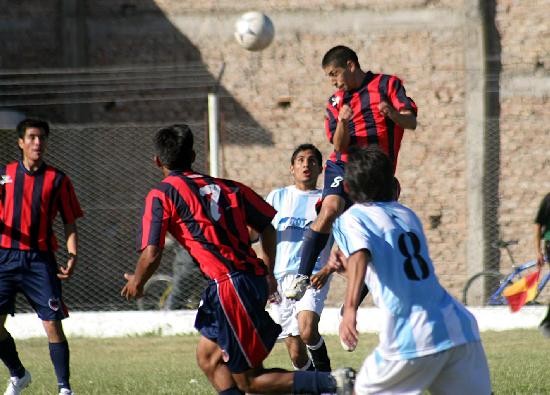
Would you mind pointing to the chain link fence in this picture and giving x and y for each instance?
(112, 169)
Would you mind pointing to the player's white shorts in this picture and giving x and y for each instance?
(286, 312)
(459, 370)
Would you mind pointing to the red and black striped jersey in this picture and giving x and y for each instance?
(368, 125)
(209, 217)
(30, 201)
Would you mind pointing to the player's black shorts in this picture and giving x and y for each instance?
(33, 273)
(232, 314)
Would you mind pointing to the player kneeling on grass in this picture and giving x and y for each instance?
(428, 340)
(211, 218)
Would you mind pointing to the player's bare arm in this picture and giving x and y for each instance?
(335, 263)
(71, 235)
(147, 264)
(341, 137)
(355, 268)
(404, 118)
(268, 251)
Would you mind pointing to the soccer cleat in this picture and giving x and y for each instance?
(16, 384)
(65, 391)
(298, 287)
(345, 380)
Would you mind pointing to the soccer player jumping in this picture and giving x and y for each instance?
(367, 109)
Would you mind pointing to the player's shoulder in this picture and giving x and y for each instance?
(335, 99)
(278, 191)
(59, 173)
(279, 194)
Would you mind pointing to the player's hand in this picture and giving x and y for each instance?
(348, 329)
(319, 279)
(64, 273)
(387, 110)
(273, 293)
(345, 113)
(131, 290)
(337, 261)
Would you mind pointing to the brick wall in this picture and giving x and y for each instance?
(273, 100)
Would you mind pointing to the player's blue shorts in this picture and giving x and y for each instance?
(34, 274)
(334, 183)
(232, 314)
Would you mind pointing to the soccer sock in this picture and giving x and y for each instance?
(231, 391)
(313, 244)
(8, 355)
(319, 355)
(59, 354)
(313, 382)
(307, 367)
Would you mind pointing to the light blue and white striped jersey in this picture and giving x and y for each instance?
(295, 213)
(420, 316)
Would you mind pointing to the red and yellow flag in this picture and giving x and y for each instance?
(522, 291)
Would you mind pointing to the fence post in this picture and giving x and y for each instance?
(213, 133)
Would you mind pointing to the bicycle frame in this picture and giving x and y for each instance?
(497, 299)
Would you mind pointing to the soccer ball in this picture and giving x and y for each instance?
(254, 31)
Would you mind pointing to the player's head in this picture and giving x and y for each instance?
(369, 175)
(32, 123)
(32, 137)
(306, 165)
(341, 66)
(339, 56)
(174, 147)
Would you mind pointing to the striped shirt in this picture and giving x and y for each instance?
(368, 125)
(209, 217)
(420, 316)
(29, 204)
(295, 213)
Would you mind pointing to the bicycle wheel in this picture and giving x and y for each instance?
(155, 293)
(480, 289)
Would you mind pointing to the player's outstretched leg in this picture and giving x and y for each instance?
(313, 244)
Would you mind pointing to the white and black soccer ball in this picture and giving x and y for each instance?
(254, 31)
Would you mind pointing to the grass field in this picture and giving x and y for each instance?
(166, 365)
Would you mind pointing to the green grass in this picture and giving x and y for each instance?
(166, 365)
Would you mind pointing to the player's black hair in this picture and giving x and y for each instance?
(339, 56)
(174, 146)
(306, 147)
(32, 123)
(369, 175)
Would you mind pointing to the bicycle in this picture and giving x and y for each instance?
(158, 294)
(485, 288)
(161, 293)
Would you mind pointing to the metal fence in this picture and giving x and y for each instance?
(112, 169)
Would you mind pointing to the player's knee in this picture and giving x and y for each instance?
(206, 362)
(54, 331)
(309, 336)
